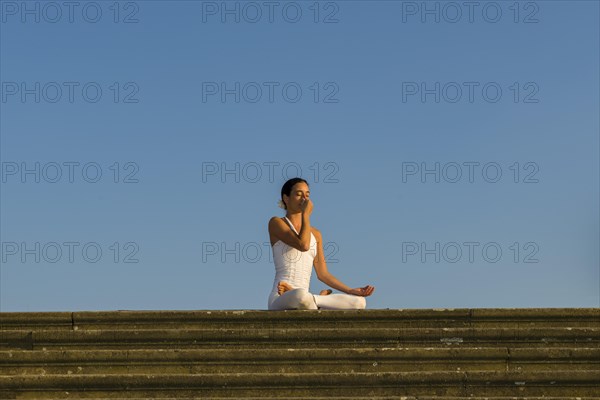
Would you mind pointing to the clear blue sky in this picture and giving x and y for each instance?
(373, 100)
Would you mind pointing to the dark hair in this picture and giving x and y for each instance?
(287, 188)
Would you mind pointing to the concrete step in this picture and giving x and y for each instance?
(552, 383)
(366, 398)
(368, 337)
(305, 319)
(298, 360)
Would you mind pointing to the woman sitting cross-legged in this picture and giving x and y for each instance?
(296, 247)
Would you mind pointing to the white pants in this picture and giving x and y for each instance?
(302, 299)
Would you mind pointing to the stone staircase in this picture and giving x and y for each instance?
(319, 354)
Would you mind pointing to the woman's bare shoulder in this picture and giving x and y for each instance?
(316, 232)
(275, 221)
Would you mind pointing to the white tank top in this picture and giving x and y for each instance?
(292, 265)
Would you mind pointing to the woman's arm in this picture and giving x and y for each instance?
(283, 232)
(305, 230)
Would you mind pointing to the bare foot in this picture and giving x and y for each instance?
(325, 292)
(283, 287)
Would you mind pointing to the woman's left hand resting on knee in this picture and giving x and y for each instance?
(363, 291)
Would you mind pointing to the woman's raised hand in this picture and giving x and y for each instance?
(306, 206)
(363, 291)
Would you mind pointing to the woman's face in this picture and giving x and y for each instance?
(298, 194)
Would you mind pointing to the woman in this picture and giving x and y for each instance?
(296, 247)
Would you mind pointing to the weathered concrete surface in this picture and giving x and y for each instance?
(444, 353)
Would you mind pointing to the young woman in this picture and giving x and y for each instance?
(296, 247)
